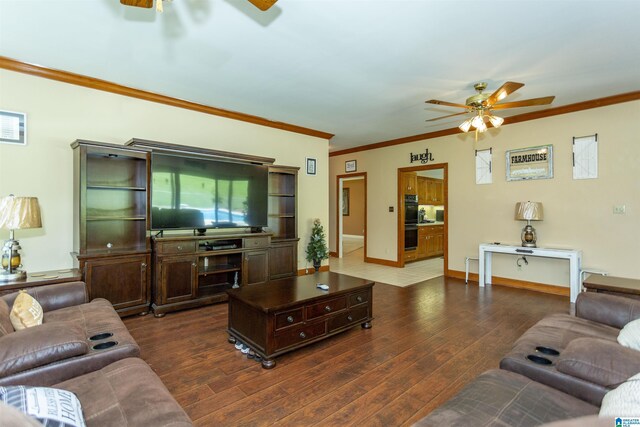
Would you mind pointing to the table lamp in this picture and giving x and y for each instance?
(16, 213)
(529, 211)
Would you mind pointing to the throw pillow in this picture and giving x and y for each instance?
(26, 312)
(53, 407)
(623, 401)
(629, 336)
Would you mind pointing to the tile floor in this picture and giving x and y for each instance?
(353, 264)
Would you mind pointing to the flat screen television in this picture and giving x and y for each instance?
(198, 193)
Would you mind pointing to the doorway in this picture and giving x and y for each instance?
(351, 215)
(423, 228)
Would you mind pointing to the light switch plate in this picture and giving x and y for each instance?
(619, 209)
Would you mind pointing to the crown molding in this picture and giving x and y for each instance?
(106, 86)
(565, 109)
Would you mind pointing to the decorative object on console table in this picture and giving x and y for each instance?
(317, 247)
(529, 211)
(16, 213)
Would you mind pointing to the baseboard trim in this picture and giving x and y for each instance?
(353, 236)
(387, 262)
(310, 270)
(514, 283)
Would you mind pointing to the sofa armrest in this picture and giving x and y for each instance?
(599, 361)
(611, 310)
(56, 296)
(41, 345)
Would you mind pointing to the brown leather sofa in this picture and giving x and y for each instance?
(589, 361)
(62, 347)
(568, 390)
(115, 388)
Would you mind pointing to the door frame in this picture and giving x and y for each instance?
(445, 193)
(339, 181)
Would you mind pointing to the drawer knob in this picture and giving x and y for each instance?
(327, 308)
(290, 319)
(179, 247)
(303, 335)
(109, 245)
(359, 298)
(349, 318)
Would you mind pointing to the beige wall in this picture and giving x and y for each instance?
(353, 224)
(578, 213)
(59, 113)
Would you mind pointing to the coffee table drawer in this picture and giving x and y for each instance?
(347, 318)
(299, 335)
(358, 298)
(326, 307)
(288, 318)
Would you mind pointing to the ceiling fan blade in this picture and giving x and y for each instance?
(444, 117)
(546, 100)
(502, 92)
(449, 104)
(138, 3)
(263, 4)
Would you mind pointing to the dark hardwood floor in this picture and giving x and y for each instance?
(427, 341)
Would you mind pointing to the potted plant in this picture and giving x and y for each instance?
(317, 247)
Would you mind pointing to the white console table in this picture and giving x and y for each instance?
(574, 257)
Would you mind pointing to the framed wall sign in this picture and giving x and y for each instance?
(350, 166)
(530, 163)
(13, 128)
(311, 166)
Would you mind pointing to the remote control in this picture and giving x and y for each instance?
(322, 286)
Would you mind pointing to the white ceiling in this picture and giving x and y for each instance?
(360, 69)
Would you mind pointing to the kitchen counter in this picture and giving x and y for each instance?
(424, 224)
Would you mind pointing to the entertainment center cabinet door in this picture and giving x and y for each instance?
(255, 267)
(283, 259)
(123, 281)
(178, 279)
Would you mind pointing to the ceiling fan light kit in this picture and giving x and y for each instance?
(481, 105)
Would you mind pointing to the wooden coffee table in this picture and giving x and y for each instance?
(283, 315)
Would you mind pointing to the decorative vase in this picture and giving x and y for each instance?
(316, 264)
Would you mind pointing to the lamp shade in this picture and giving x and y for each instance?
(19, 212)
(529, 211)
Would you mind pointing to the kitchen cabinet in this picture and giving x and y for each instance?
(433, 191)
(430, 241)
(423, 188)
(410, 183)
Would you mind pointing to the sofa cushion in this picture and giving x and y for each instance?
(26, 312)
(126, 393)
(503, 398)
(50, 406)
(556, 332)
(599, 361)
(5, 321)
(95, 317)
(623, 401)
(629, 336)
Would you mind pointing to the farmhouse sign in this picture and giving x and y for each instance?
(530, 163)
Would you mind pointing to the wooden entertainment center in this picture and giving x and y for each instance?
(122, 260)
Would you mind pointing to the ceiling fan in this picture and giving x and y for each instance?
(260, 4)
(482, 104)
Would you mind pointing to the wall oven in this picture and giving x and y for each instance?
(410, 221)
(410, 209)
(410, 237)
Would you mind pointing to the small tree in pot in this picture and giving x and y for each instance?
(317, 247)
